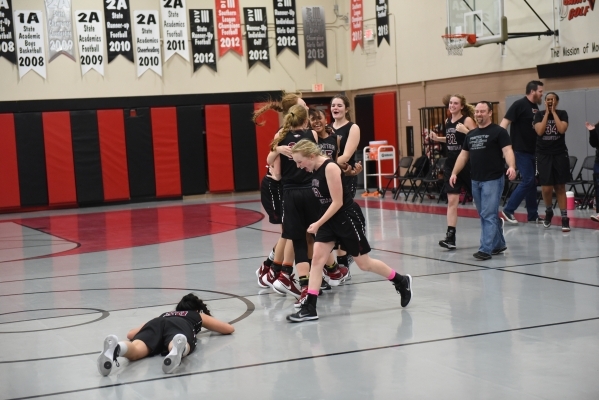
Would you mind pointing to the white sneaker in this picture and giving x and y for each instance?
(173, 359)
(107, 356)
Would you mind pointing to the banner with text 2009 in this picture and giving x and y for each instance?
(229, 27)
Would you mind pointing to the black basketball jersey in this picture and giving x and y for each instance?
(329, 146)
(192, 317)
(344, 133)
(321, 188)
(454, 138)
(291, 175)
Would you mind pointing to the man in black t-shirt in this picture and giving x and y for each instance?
(486, 147)
(553, 162)
(524, 140)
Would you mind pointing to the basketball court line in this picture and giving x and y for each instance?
(394, 346)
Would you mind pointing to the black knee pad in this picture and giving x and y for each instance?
(300, 248)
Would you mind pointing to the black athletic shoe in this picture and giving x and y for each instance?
(498, 250)
(509, 217)
(565, 224)
(548, 218)
(482, 256)
(324, 285)
(306, 313)
(405, 290)
(449, 241)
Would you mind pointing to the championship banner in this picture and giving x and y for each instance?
(357, 17)
(315, 37)
(60, 29)
(286, 25)
(7, 36)
(118, 29)
(147, 41)
(31, 51)
(229, 26)
(203, 48)
(256, 32)
(174, 28)
(382, 22)
(91, 40)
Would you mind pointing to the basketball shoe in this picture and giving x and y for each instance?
(108, 355)
(173, 359)
(285, 284)
(261, 274)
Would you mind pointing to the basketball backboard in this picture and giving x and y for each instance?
(483, 18)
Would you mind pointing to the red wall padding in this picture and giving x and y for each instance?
(385, 118)
(113, 154)
(60, 168)
(264, 135)
(9, 177)
(219, 149)
(166, 151)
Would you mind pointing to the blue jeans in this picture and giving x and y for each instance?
(486, 196)
(527, 189)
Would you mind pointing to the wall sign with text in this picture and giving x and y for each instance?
(286, 25)
(229, 27)
(147, 41)
(203, 48)
(256, 31)
(60, 29)
(7, 35)
(118, 29)
(315, 37)
(31, 50)
(91, 40)
(174, 28)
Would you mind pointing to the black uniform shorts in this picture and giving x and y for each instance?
(300, 209)
(348, 228)
(271, 195)
(463, 181)
(554, 169)
(159, 332)
(350, 181)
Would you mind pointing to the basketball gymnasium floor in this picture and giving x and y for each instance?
(522, 325)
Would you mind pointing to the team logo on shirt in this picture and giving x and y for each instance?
(315, 183)
(175, 314)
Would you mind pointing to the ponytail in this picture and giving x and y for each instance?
(287, 101)
(296, 117)
(191, 302)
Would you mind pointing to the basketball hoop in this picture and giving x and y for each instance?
(455, 42)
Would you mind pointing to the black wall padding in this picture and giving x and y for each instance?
(245, 153)
(31, 159)
(192, 152)
(365, 119)
(140, 153)
(86, 157)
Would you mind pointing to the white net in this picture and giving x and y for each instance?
(455, 45)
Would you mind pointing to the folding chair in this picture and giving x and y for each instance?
(587, 192)
(405, 162)
(417, 171)
(431, 181)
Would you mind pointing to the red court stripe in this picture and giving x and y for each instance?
(264, 135)
(219, 149)
(166, 151)
(113, 155)
(60, 168)
(9, 178)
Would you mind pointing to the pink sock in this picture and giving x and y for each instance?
(391, 275)
(312, 291)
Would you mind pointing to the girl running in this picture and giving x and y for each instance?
(172, 334)
(342, 220)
